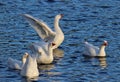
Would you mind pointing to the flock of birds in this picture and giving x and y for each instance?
(42, 52)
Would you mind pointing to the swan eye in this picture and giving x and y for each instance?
(53, 44)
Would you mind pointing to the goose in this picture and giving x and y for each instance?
(30, 69)
(43, 51)
(94, 51)
(16, 64)
(45, 32)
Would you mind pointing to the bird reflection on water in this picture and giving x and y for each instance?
(98, 61)
(25, 79)
(103, 62)
(58, 53)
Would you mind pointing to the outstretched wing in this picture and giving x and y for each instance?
(41, 28)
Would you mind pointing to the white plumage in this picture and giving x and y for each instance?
(43, 52)
(91, 50)
(30, 69)
(45, 32)
(16, 64)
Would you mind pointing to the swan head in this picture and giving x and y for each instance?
(102, 52)
(25, 56)
(105, 43)
(59, 16)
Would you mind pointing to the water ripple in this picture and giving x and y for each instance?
(95, 20)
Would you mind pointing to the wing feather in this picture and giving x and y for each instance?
(41, 28)
(91, 49)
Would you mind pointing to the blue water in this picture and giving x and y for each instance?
(94, 20)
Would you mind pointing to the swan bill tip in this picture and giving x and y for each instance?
(61, 15)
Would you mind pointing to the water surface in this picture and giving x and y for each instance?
(94, 20)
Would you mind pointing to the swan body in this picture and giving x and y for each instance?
(30, 69)
(43, 51)
(16, 64)
(91, 50)
(45, 32)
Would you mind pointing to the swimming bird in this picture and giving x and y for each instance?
(94, 51)
(45, 32)
(43, 52)
(16, 64)
(30, 69)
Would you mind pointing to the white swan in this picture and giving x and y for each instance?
(91, 50)
(30, 69)
(16, 64)
(45, 32)
(43, 51)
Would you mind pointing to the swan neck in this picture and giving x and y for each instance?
(50, 51)
(56, 25)
(23, 62)
(102, 51)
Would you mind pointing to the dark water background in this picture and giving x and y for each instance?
(94, 20)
